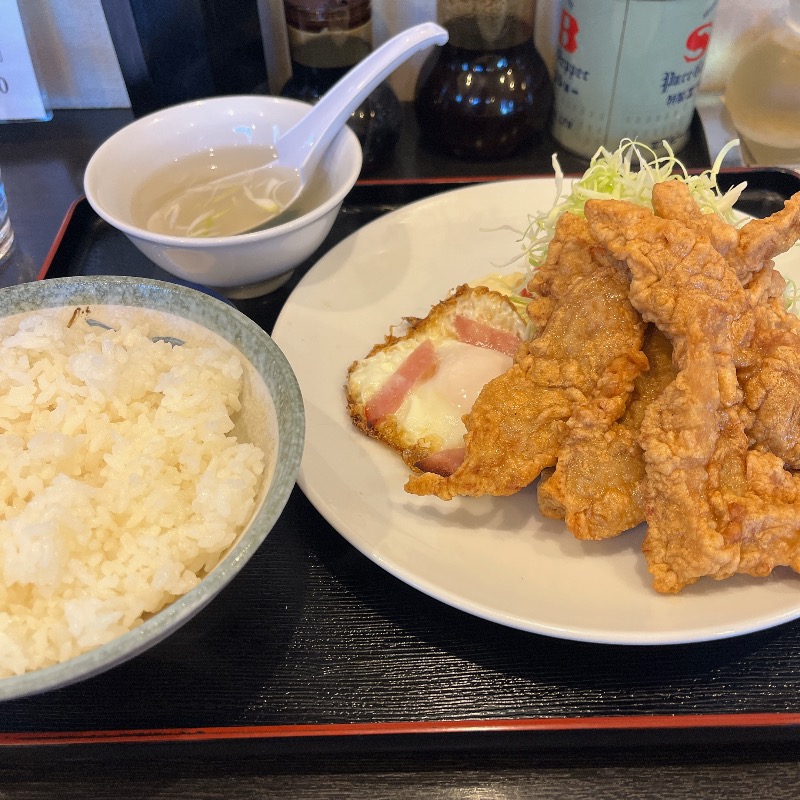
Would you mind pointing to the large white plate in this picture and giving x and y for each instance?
(497, 558)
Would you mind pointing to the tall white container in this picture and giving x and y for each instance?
(629, 69)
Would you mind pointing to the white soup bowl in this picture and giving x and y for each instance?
(243, 265)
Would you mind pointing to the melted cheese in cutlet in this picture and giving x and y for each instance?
(435, 405)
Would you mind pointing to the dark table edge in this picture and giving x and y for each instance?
(423, 727)
(60, 237)
(600, 737)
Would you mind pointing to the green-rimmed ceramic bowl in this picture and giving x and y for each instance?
(272, 417)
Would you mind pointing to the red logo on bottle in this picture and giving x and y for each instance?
(568, 33)
(697, 43)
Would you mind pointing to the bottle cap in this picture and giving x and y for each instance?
(320, 15)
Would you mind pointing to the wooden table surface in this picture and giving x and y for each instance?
(42, 165)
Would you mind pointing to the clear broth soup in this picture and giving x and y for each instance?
(177, 199)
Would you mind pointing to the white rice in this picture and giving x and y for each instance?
(120, 482)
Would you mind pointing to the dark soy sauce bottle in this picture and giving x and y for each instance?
(487, 92)
(326, 39)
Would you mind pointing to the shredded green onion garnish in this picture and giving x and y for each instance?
(627, 173)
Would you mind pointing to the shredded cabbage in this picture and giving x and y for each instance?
(791, 295)
(628, 173)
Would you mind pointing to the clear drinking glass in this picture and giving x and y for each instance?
(6, 231)
(763, 94)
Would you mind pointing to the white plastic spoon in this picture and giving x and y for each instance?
(271, 189)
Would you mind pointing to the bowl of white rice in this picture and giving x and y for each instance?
(150, 435)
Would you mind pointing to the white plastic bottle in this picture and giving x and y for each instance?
(763, 94)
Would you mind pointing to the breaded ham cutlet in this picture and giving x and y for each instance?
(412, 390)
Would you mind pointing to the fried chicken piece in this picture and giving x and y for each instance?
(771, 383)
(673, 200)
(649, 385)
(766, 518)
(718, 496)
(596, 486)
(748, 249)
(769, 357)
(760, 240)
(589, 346)
(769, 352)
(571, 255)
(680, 282)
(756, 502)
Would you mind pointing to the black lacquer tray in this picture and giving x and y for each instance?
(315, 647)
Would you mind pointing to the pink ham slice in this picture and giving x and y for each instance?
(470, 331)
(420, 363)
(444, 463)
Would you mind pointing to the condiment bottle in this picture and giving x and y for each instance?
(487, 91)
(629, 69)
(762, 94)
(326, 39)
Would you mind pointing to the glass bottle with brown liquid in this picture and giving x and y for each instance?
(326, 39)
(487, 92)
